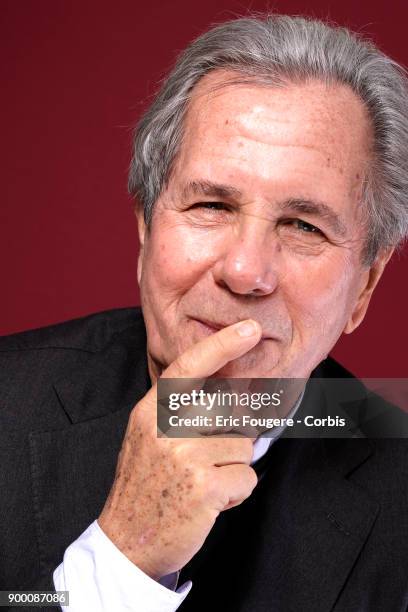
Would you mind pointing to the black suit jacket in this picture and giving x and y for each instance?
(326, 528)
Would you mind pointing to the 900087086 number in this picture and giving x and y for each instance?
(34, 598)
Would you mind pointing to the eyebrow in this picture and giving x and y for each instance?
(208, 188)
(297, 205)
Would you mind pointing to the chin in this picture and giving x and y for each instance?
(244, 373)
(254, 364)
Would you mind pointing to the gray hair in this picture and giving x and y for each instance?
(275, 49)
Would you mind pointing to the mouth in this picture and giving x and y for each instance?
(210, 327)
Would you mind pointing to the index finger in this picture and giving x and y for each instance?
(215, 351)
(212, 353)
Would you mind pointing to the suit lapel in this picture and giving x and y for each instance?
(293, 543)
(73, 468)
(316, 526)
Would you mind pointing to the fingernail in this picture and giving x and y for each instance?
(246, 329)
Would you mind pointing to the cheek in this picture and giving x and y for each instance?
(323, 296)
(176, 256)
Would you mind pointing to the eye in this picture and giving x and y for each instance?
(211, 205)
(303, 226)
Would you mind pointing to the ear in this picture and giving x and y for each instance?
(142, 228)
(370, 278)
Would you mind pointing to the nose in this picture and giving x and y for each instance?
(248, 264)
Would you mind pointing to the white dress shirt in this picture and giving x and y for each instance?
(101, 578)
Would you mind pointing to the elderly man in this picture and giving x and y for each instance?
(271, 175)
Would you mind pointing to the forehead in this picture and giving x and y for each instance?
(310, 124)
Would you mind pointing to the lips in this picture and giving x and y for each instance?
(210, 327)
(212, 324)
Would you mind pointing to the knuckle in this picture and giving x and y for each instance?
(242, 448)
(252, 479)
(178, 453)
(138, 423)
(247, 449)
(220, 343)
(204, 487)
(181, 456)
(182, 367)
(134, 417)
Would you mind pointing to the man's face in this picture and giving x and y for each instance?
(261, 219)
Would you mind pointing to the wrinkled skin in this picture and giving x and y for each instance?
(247, 255)
(261, 220)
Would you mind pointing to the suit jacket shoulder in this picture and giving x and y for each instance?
(32, 361)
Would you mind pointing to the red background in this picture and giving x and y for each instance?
(75, 76)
